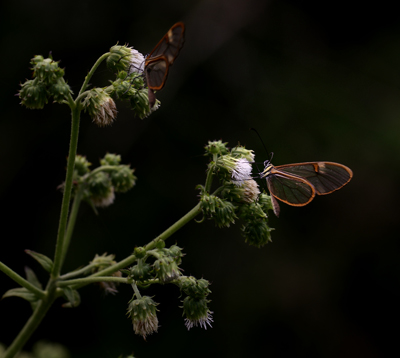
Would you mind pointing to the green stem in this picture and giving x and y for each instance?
(81, 271)
(21, 281)
(59, 254)
(72, 220)
(91, 72)
(210, 175)
(87, 280)
(33, 322)
(151, 245)
(136, 290)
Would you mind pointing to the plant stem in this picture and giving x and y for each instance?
(87, 280)
(20, 280)
(91, 72)
(72, 220)
(151, 245)
(59, 254)
(32, 323)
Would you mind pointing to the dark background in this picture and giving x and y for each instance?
(318, 81)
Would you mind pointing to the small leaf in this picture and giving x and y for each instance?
(31, 277)
(73, 297)
(21, 292)
(46, 263)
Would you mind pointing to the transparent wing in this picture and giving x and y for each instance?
(326, 177)
(170, 45)
(290, 189)
(156, 73)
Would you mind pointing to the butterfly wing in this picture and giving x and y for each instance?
(170, 45)
(163, 55)
(291, 189)
(326, 177)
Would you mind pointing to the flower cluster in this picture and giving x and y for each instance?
(47, 82)
(98, 187)
(238, 196)
(164, 268)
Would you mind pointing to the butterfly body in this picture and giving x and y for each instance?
(159, 60)
(297, 184)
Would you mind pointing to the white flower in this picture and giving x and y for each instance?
(241, 172)
(106, 112)
(251, 191)
(202, 321)
(136, 61)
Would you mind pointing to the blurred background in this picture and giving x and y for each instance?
(320, 81)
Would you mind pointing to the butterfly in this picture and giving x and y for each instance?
(159, 60)
(297, 184)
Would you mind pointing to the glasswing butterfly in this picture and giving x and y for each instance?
(159, 60)
(297, 184)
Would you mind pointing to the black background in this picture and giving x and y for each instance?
(320, 81)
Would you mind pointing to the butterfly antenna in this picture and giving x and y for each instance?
(269, 154)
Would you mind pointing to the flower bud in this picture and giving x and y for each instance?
(101, 189)
(124, 58)
(33, 94)
(257, 232)
(122, 178)
(193, 287)
(46, 70)
(143, 313)
(141, 271)
(111, 159)
(222, 211)
(81, 166)
(101, 107)
(166, 269)
(59, 90)
(216, 147)
(196, 312)
(242, 152)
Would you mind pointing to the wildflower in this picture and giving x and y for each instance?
(251, 191)
(101, 107)
(241, 172)
(196, 312)
(136, 61)
(124, 58)
(142, 312)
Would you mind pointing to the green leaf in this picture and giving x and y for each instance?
(21, 292)
(31, 277)
(46, 262)
(73, 297)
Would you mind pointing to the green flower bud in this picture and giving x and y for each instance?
(193, 287)
(242, 152)
(257, 233)
(176, 253)
(46, 70)
(123, 58)
(265, 201)
(122, 178)
(252, 211)
(101, 107)
(103, 261)
(166, 269)
(222, 211)
(140, 103)
(111, 159)
(81, 166)
(101, 189)
(216, 147)
(33, 94)
(59, 90)
(140, 252)
(143, 313)
(196, 312)
(141, 271)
